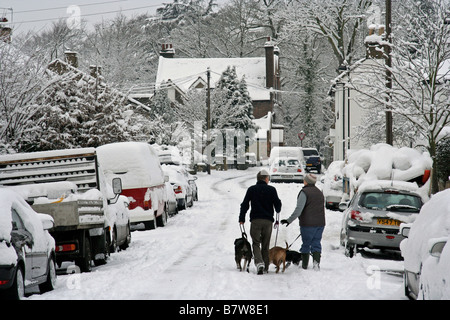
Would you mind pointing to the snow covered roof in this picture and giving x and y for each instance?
(183, 72)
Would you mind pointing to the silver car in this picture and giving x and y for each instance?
(373, 216)
(287, 170)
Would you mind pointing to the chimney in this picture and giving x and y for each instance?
(373, 42)
(95, 71)
(270, 64)
(71, 58)
(167, 51)
(5, 34)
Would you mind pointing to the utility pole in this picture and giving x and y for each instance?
(389, 135)
(208, 118)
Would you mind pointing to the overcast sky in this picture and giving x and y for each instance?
(39, 15)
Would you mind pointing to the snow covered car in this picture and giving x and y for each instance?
(181, 186)
(27, 250)
(286, 169)
(426, 251)
(138, 167)
(171, 204)
(374, 214)
(333, 185)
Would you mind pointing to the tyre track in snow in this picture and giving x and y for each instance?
(212, 253)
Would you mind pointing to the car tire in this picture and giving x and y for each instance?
(84, 263)
(161, 221)
(127, 242)
(17, 290)
(50, 283)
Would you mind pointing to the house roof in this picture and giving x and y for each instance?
(185, 71)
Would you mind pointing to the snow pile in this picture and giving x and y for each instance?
(332, 180)
(385, 162)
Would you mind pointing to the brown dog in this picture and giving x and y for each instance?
(277, 255)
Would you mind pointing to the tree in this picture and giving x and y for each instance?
(420, 92)
(340, 22)
(22, 81)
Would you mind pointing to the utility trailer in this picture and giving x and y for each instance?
(69, 186)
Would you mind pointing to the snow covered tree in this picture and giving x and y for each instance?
(339, 21)
(236, 110)
(22, 81)
(420, 70)
(79, 111)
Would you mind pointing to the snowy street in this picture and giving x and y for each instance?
(192, 258)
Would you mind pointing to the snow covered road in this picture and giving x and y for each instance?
(192, 257)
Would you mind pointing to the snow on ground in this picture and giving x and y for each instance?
(192, 258)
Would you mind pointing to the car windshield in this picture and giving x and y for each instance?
(308, 153)
(392, 201)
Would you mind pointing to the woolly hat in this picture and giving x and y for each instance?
(310, 178)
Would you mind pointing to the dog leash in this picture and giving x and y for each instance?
(241, 226)
(295, 240)
(275, 226)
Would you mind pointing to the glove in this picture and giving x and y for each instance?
(284, 221)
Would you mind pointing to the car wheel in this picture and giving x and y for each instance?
(84, 263)
(349, 250)
(127, 242)
(17, 290)
(50, 283)
(113, 247)
(162, 219)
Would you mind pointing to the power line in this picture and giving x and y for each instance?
(78, 5)
(89, 14)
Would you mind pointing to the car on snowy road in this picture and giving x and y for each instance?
(426, 251)
(182, 188)
(27, 250)
(286, 169)
(372, 218)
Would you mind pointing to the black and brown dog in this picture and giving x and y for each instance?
(293, 257)
(243, 250)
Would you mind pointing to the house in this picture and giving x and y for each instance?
(262, 75)
(348, 112)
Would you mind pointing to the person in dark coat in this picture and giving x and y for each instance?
(263, 199)
(310, 211)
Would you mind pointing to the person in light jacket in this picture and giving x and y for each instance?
(310, 210)
(263, 199)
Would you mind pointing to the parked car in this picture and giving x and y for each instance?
(181, 186)
(312, 158)
(333, 185)
(171, 204)
(373, 216)
(138, 167)
(426, 251)
(27, 251)
(286, 169)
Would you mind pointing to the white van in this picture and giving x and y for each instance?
(137, 165)
(287, 152)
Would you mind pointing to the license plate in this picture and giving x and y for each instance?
(309, 164)
(388, 222)
(288, 176)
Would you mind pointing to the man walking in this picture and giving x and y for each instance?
(310, 210)
(263, 199)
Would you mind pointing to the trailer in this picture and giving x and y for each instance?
(69, 186)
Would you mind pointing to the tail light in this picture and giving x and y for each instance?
(66, 247)
(3, 282)
(147, 204)
(356, 215)
(299, 170)
(274, 170)
(177, 189)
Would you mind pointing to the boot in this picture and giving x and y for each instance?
(316, 261)
(305, 260)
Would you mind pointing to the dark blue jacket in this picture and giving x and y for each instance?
(263, 199)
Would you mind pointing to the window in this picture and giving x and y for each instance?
(16, 221)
